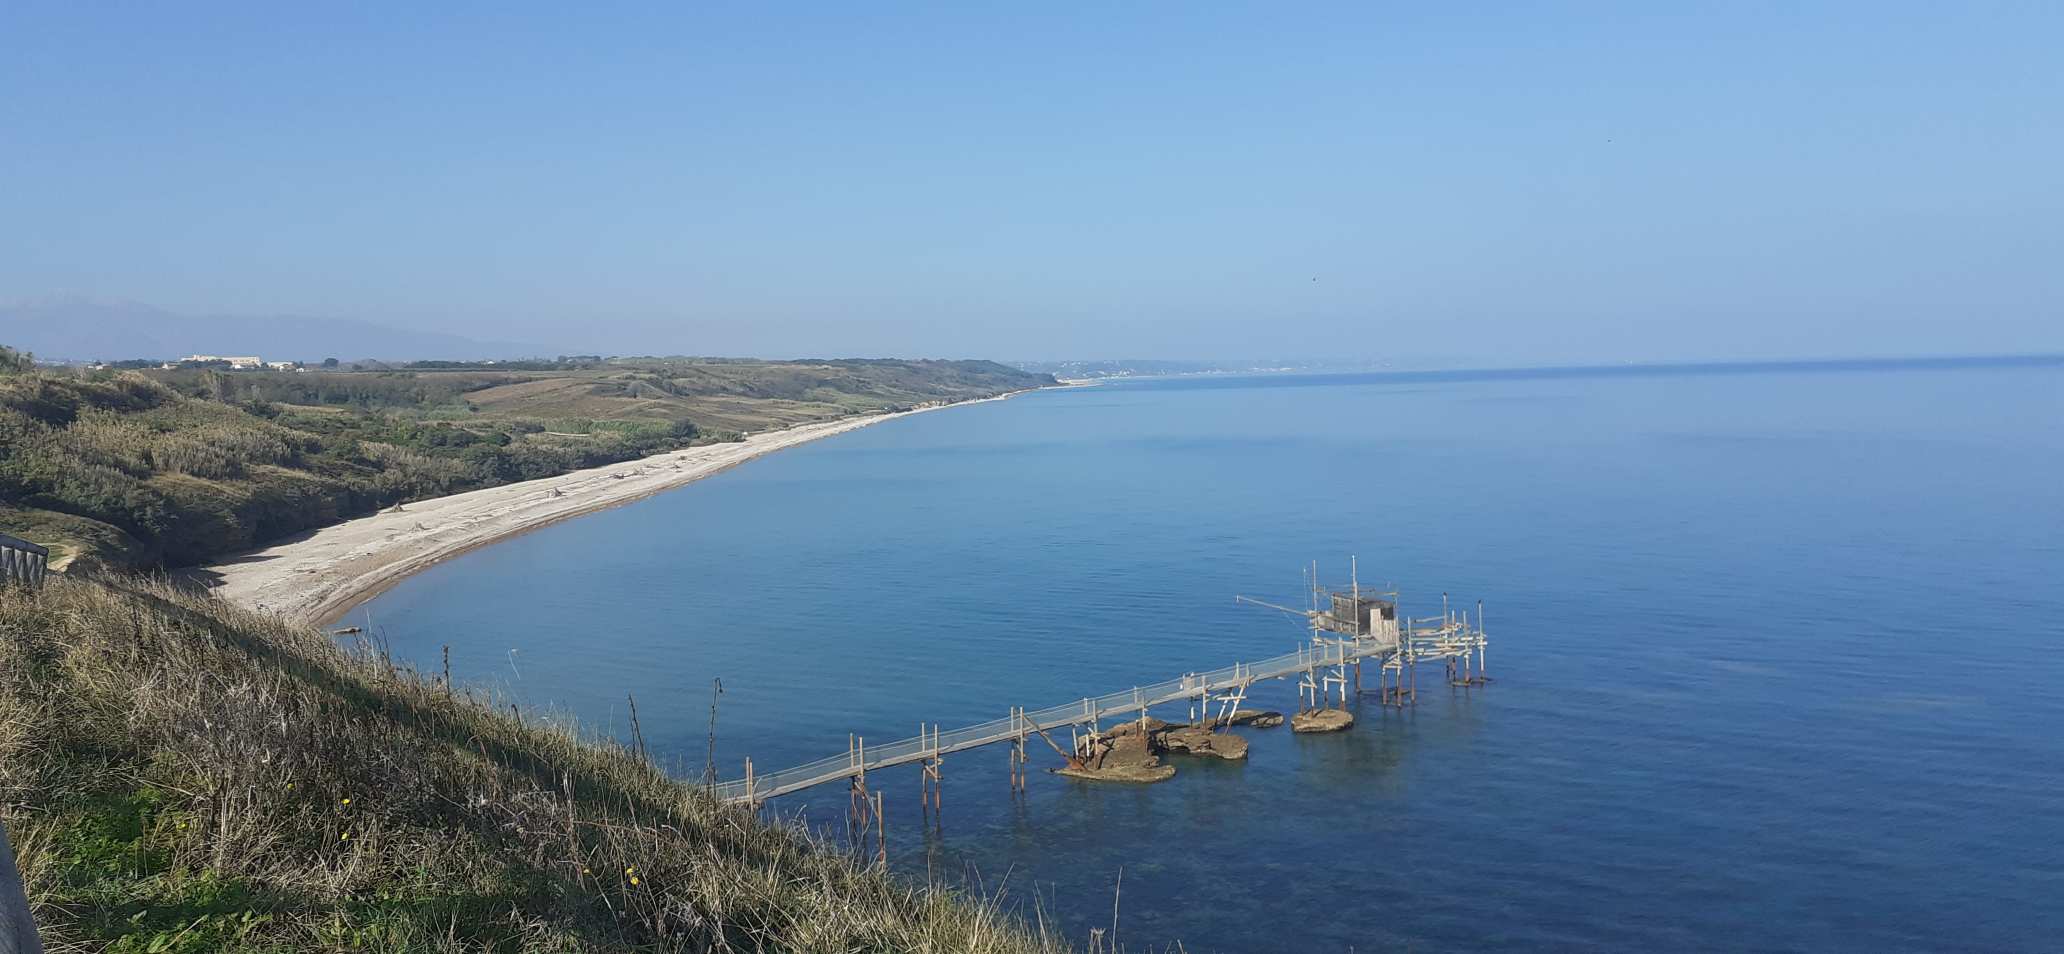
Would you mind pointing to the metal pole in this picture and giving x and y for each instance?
(17, 928)
(1482, 638)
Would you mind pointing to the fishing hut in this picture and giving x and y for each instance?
(1349, 627)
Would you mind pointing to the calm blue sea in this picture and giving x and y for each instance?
(1777, 652)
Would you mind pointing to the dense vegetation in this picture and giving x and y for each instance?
(179, 775)
(174, 467)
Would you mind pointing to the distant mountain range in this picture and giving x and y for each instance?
(81, 330)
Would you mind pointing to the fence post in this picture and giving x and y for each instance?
(17, 929)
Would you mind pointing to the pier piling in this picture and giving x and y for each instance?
(1348, 627)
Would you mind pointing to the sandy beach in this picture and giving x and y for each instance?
(317, 577)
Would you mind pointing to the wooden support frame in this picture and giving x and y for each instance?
(1321, 666)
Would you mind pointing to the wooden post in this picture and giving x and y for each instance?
(1481, 639)
(858, 804)
(1017, 739)
(709, 767)
(637, 732)
(881, 831)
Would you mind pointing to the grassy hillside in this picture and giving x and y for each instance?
(144, 468)
(182, 776)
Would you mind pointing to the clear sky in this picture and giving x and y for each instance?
(1523, 183)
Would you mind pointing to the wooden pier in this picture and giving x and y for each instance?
(1351, 630)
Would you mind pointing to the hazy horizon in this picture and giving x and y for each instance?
(1537, 187)
(23, 326)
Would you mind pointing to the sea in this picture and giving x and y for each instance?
(1777, 651)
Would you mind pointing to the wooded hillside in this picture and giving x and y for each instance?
(142, 468)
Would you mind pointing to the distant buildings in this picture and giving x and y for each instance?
(250, 362)
(246, 361)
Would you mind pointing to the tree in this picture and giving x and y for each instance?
(329, 362)
(12, 360)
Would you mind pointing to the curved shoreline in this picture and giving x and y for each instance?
(320, 576)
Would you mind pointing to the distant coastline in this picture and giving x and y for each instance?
(1321, 373)
(319, 577)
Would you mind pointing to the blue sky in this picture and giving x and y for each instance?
(1517, 184)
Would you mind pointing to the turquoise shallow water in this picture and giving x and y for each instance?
(1777, 652)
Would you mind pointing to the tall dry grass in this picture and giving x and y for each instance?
(183, 775)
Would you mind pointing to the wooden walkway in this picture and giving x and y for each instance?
(1446, 639)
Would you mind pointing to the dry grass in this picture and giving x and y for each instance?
(182, 775)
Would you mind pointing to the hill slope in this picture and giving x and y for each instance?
(148, 468)
(180, 775)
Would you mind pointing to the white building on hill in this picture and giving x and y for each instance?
(241, 361)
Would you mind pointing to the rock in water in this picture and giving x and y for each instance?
(1258, 718)
(1119, 757)
(1129, 772)
(1154, 727)
(1321, 720)
(1204, 742)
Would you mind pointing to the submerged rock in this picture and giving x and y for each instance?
(1138, 774)
(1321, 720)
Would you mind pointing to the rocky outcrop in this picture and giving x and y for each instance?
(1141, 774)
(1194, 740)
(1154, 727)
(1119, 756)
(1321, 720)
(1258, 718)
